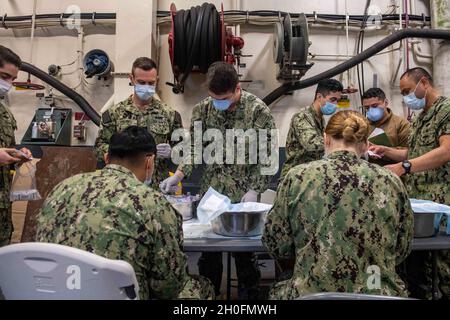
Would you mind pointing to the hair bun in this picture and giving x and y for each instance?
(349, 125)
(355, 129)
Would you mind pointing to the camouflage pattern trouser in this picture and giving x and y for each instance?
(416, 271)
(197, 288)
(6, 226)
(248, 273)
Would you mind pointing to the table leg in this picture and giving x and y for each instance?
(434, 271)
(228, 275)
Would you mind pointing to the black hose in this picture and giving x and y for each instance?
(360, 48)
(350, 63)
(58, 85)
(197, 34)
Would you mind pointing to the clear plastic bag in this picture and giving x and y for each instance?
(213, 204)
(24, 183)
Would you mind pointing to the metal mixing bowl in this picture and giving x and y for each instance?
(424, 225)
(239, 224)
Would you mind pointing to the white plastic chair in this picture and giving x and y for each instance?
(347, 296)
(46, 271)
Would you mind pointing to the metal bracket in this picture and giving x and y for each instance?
(61, 17)
(423, 20)
(4, 21)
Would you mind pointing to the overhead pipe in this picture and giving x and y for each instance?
(4, 18)
(58, 85)
(369, 52)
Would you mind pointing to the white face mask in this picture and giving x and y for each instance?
(4, 87)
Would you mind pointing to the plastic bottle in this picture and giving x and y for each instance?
(180, 186)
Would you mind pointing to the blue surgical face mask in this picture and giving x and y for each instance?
(222, 105)
(144, 91)
(375, 114)
(328, 109)
(413, 102)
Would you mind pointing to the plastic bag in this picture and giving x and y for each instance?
(24, 183)
(213, 204)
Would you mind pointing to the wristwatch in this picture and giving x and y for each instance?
(406, 166)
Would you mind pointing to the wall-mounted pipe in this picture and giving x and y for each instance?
(58, 85)
(369, 52)
(61, 19)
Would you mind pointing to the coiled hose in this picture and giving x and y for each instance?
(350, 63)
(198, 39)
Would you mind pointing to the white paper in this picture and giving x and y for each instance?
(376, 132)
(373, 155)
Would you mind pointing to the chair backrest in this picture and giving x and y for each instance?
(45, 271)
(347, 296)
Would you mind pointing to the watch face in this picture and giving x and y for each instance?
(406, 164)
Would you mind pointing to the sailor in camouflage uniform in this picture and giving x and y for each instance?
(144, 110)
(342, 219)
(304, 142)
(425, 168)
(9, 68)
(229, 107)
(112, 213)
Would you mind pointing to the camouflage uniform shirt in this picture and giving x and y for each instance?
(233, 180)
(427, 128)
(114, 215)
(304, 142)
(337, 217)
(158, 118)
(7, 127)
(434, 184)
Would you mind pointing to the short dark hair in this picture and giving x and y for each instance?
(131, 143)
(8, 56)
(418, 73)
(325, 86)
(221, 78)
(374, 93)
(143, 63)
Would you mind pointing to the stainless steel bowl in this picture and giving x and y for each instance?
(239, 224)
(186, 205)
(424, 225)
